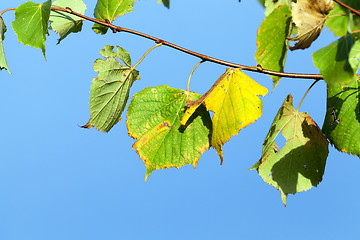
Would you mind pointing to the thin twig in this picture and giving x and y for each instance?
(357, 12)
(201, 56)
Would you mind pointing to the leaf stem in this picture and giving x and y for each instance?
(306, 94)
(6, 10)
(142, 58)
(357, 12)
(201, 56)
(188, 84)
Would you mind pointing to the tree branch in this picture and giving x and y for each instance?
(203, 57)
(357, 12)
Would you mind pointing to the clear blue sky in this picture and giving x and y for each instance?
(59, 181)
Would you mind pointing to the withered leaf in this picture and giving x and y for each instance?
(309, 16)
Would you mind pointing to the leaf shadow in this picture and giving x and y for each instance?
(305, 160)
(285, 47)
(335, 104)
(205, 118)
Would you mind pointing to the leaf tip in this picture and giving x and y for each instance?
(88, 125)
(284, 198)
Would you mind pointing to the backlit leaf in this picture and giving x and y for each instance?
(354, 55)
(234, 100)
(300, 164)
(31, 23)
(333, 60)
(66, 23)
(272, 40)
(110, 89)
(154, 121)
(339, 24)
(309, 17)
(342, 120)
(110, 10)
(3, 62)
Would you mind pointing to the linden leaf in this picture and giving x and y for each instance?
(3, 62)
(154, 121)
(342, 120)
(65, 23)
(354, 56)
(110, 10)
(334, 61)
(300, 164)
(110, 89)
(272, 40)
(234, 100)
(309, 16)
(31, 23)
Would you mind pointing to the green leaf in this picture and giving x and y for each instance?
(272, 40)
(31, 23)
(110, 89)
(339, 24)
(154, 121)
(333, 61)
(3, 62)
(342, 120)
(300, 164)
(354, 55)
(270, 5)
(234, 100)
(165, 2)
(110, 10)
(66, 23)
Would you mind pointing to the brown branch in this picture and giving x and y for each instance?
(201, 56)
(357, 12)
(204, 58)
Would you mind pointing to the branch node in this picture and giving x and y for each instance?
(158, 41)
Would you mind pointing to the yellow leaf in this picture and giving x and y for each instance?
(233, 99)
(309, 16)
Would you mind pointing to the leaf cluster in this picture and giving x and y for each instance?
(173, 127)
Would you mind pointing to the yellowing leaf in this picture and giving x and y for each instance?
(154, 121)
(233, 99)
(309, 16)
(300, 164)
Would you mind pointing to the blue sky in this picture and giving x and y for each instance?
(59, 181)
